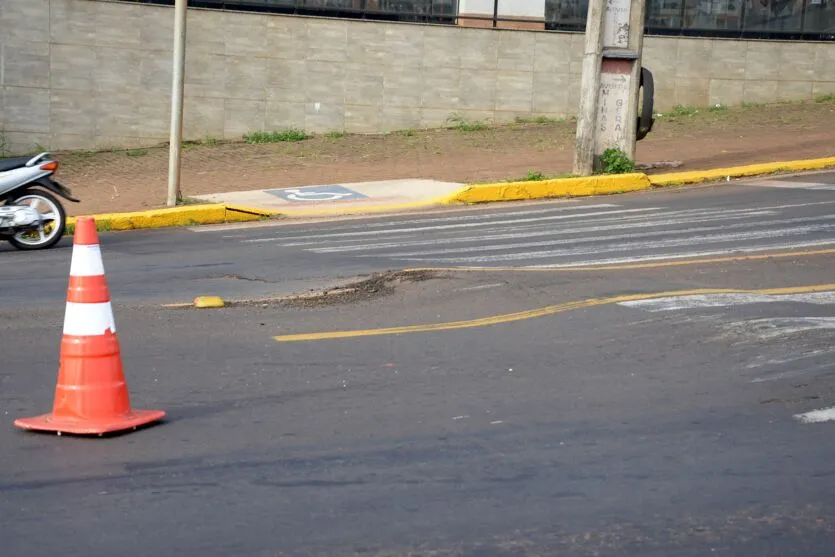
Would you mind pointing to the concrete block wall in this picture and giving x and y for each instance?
(82, 74)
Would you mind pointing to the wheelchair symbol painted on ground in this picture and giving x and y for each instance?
(317, 193)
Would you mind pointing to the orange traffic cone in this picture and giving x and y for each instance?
(91, 396)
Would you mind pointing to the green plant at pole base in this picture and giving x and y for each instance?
(614, 161)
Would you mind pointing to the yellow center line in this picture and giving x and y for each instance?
(541, 312)
(627, 266)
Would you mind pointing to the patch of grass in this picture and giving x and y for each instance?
(280, 136)
(828, 98)
(406, 133)
(615, 161)
(4, 145)
(210, 141)
(136, 152)
(336, 134)
(463, 125)
(680, 110)
(747, 105)
(190, 201)
(101, 226)
(718, 108)
(538, 120)
(540, 176)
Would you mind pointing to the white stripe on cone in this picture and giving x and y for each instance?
(86, 261)
(88, 319)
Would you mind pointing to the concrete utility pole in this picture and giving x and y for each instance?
(177, 86)
(610, 83)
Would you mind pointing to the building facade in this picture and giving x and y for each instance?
(755, 19)
(96, 74)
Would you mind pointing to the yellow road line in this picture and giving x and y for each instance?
(628, 266)
(541, 312)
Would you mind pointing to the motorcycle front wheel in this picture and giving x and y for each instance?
(55, 221)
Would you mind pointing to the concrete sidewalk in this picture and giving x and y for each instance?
(342, 199)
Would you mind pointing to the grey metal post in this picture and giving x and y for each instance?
(177, 86)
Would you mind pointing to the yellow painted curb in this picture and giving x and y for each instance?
(176, 216)
(557, 187)
(696, 176)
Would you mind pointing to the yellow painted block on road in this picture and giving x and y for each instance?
(205, 302)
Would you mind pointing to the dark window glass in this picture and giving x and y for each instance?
(664, 14)
(569, 15)
(819, 17)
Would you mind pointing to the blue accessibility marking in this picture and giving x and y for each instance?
(317, 193)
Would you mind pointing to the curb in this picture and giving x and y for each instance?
(177, 216)
(558, 187)
(606, 184)
(698, 176)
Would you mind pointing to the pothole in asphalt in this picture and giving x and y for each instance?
(375, 286)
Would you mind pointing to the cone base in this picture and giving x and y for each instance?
(48, 422)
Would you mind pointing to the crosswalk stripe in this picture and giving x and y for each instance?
(334, 238)
(639, 216)
(567, 241)
(634, 246)
(454, 226)
(511, 233)
(684, 255)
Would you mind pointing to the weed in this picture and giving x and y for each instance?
(4, 146)
(540, 176)
(291, 134)
(681, 110)
(210, 141)
(137, 153)
(336, 134)
(615, 161)
(406, 133)
(466, 126)
(538, 120)
(189, 201)
(532, 177)
(828, 98)
(719, 108)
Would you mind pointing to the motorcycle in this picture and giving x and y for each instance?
(31, 216)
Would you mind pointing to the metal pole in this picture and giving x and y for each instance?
(495, 13)
(177, 85)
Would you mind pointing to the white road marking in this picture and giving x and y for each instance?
(253, 226)
(698, 301)
(481, 287)
(631, 246)
(816, 416)
(566, 231)
(792, 185)
(592, 239)
(636, 220)
(686, 255)
(452, 226)
(773, 327)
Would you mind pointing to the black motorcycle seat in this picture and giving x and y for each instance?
(12, 163)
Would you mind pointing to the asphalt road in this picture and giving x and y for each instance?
(250, 261)
(644, 392)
